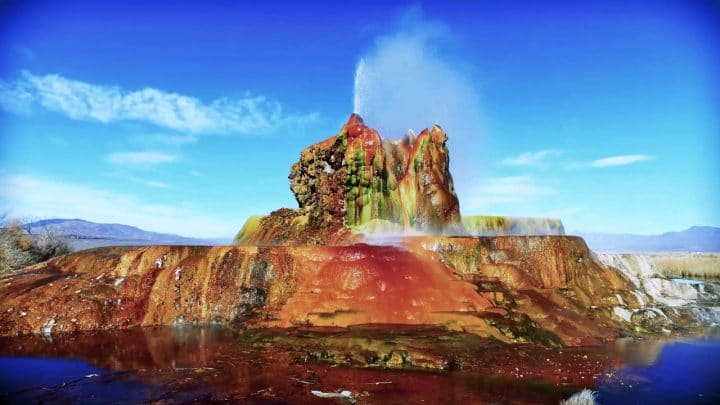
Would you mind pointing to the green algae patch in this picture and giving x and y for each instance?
(249, 228)
(492, 225)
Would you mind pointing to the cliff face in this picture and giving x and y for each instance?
(539, 289)
(355, 178)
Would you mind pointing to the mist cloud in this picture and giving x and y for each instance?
(404, 82)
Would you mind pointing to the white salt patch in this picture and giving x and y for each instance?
(623, 313)
(640, 298)
(48, 327)
(342, 394)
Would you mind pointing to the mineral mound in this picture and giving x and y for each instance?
(354, 180)
(299, 268)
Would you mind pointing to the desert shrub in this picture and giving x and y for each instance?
(49, 245)
(19, 248)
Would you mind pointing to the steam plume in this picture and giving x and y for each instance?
(404, 82)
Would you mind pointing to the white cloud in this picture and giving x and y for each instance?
(92, 102)
(141, 158)
(37, 197)
(16, 97)
(156, 184)
(620, 160)
(504, 190)
(536, 158)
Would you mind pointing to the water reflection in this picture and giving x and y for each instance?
(639, 352)
(665, 372)
(179, 364)
(184, 364)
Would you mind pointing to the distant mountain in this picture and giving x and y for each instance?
(695, 239)
(83, 234)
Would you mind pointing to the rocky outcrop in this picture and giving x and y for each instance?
(355, 178)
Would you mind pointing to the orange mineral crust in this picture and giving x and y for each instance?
(476, 285)
(364, 284)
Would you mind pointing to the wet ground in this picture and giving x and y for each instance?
(391, 365)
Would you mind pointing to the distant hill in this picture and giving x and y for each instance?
(83, 234)
(695, 239)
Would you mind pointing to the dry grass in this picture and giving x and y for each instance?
(19, 248)
(689, 265)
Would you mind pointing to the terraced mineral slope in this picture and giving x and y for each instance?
(514, 289)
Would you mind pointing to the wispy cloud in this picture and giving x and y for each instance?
(621, 160)
(536, 158)
(150, 183)
(32, 196)
(156, 184)
(501, 190)
(147, 158)
(611, 161)
(93, 102)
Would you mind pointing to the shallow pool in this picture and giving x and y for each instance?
(204, 364)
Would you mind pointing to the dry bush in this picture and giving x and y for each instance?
(19, 248)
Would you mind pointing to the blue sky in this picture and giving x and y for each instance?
(182, 119)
